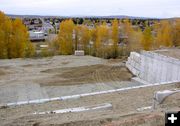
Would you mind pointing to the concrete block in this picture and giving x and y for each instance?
(79, 53)
(161, 95)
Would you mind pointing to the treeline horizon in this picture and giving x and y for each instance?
(89, 16)
(101, 40)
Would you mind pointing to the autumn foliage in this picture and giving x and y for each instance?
(115, 37)
(147, 39)
(164, 34)
(14, 39)
(104, 40)
(65, 37)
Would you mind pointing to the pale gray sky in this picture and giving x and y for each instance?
(145, 8)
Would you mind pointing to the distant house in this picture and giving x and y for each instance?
(57, 25)
(31, 27)
(48, 28)
(36, 36)
(36, 21)
(27, 23)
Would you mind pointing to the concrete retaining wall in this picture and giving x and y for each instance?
(134, 63)
(153, 67)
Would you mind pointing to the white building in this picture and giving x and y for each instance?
(37, 36)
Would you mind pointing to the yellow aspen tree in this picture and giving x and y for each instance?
(77, 30)
(93, 35)
(115, 37)
(127, 27)
(164, 36)
(135, 40)
(102, 39)
(176, 33)
(147, 39)
(30, 49)
(98, 42)
(129, 32)
(3, 51)
(85, 38)
(20, 40)
(66, 37)
(17, 45)
(14, 38)
(6, 35)
(156, 27)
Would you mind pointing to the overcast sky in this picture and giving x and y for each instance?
(145, 8)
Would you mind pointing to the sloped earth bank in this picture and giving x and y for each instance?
(123, 112)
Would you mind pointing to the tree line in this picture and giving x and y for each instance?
(104, 41)
(14, 39)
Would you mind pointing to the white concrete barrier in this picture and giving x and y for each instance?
(79, 53)
(153, 67)
(39, 101)
(161, 95)
(44, 46)
(78, 109)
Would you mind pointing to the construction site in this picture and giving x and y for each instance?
(90, 91)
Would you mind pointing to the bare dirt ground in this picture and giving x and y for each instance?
(2, 72)
(125, 105)
(86, 74)
(31, 79)
(62, 70)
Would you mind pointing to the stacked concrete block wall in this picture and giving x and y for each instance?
(153, 67)
(157, 68)
(133, 63)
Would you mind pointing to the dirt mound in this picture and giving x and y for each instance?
(86, 74)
